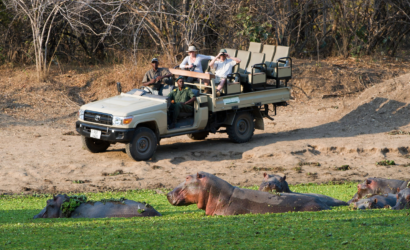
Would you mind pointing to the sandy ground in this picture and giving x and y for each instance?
(348, 130)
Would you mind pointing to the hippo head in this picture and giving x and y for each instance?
(187, 192)
(364, 188)
(274, 183)
(53, 207)
(403, 199)
(365, 204)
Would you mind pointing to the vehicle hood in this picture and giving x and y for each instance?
(126, 105)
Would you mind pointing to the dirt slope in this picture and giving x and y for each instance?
(352, 130)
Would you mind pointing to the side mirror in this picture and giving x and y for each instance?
(119, 88)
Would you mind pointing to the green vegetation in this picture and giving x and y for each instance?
(343, 168)
(69, 206)
(385, 163)
(188, 227)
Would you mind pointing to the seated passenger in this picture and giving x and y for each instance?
(223, 67)
(194, 61)
(182, 100)
(156, 77)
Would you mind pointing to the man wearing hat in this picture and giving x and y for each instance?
(194, 60)
(223, 64)
(156, 77)
(182, 100)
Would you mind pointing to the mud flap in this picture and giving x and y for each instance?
(258, 118)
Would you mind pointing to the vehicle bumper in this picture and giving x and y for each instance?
(107, 134)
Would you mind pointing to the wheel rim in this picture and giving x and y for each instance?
(242, 126)
(143, 144)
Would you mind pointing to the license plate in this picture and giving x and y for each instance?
(95, 134)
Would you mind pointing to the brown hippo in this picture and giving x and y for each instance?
(127, 208)
(403, 199)
(218, 197)
(378, 186)
(375, 201)
(276, 183)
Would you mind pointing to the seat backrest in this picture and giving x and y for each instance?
(269, 51)
(255, 47)
(244, 57)
(205, 65)
(231, 52)
(281, 51)
(255, 59)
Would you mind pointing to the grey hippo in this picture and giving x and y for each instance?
(218, 197)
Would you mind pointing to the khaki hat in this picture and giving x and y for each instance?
(192, 48)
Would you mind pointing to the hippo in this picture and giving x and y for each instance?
(218, 197)
(276, 183)
(375, 201)
(377, 186)
(126, 208)
(403, 199)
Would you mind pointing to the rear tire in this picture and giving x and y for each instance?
(143, 144)
(94, 145)
(198, 136)
(242, 128)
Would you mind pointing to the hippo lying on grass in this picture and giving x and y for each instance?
(59, 207)
(218, 197)
(278, 184)
(403, 199)
(378, 186)
(375, 201)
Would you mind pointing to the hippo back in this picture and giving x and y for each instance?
(330, 201)
(245, 201)
(113, 209)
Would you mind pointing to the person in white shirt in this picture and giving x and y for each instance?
(223, 67)
(194, 59)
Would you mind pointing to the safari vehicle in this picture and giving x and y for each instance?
(140, 119)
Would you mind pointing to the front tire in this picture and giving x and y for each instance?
(198, 136)
(242, 128)
(94, 145)
(143, 144)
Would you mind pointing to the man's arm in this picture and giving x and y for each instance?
(237, 60)
(145, 81)
(211, 63)
(189, 101)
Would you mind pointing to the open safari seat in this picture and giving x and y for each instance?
(281, 66)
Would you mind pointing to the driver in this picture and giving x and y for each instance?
(156, 77)
(181, 99)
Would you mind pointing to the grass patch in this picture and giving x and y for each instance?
(298, 169)
(302, 163)
(343, 168)
(398, 132)
(116, 172)
(188, 227)
(385, 163)
(276, 169)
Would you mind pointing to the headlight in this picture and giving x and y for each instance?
(118, 120)
(81, 114)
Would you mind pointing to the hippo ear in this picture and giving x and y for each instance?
(408, 197)
(198, 175)
(368, 182)
(284, 177)
(265, 174)
(375, 200)
(54, 197)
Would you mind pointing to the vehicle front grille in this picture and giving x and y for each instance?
(97, 117)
